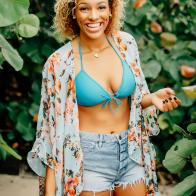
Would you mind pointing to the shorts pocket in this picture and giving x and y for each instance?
(88, 146)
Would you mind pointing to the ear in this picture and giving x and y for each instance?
(110, 13)
(73, 13)
(110, 10)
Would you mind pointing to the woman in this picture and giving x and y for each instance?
(96, 112)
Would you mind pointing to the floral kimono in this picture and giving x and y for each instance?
(57, 143)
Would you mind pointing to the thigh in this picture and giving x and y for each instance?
(91, 193)
(131, 190)
(132, 181)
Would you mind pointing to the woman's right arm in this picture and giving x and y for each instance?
(50, 182)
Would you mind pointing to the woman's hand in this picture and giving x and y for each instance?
(165, 99)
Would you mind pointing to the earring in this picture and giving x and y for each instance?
(110, 16)
(74, 17)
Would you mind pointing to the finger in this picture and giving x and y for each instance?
(169, 105)
(173, 102)
(164, 107)
(178, 101)
(170, 91)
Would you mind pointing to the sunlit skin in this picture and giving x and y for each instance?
(93, 18)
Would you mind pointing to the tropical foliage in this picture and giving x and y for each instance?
(165, 31)
(182, 153)
(15, 21)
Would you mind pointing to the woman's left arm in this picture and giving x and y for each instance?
(164, 99)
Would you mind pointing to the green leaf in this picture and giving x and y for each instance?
(135, 16)
(12, 10)
(181, 130)
(171, 66)
(192, 128)
(11, 135)
(178, 128)
(164, 121)
(13, 58)
(24, 126)
(193, 161)
(186, 187)
(144, 9)
(31, 49)
(180, 46)
(190, 91)
(175, 158)
(1, 59)
(3, 154)
(149, 66)
(187, 60)
(192, 113)
(192, 46)
(146, 55)
(28, 26)
(177, 115)
(132, 18)
(29, 136)
(161, 56)
(47, 50)
(10, 54)
(8, 149)
(186, 101)
(33, 109)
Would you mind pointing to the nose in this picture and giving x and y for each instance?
(94, 14)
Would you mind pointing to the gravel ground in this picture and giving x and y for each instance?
(27, 184)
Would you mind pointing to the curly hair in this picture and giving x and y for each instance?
(67, 27)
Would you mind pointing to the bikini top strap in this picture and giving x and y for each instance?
(80, 51)
(115, 48)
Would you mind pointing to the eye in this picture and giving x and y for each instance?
(102, 7)
(83, 9)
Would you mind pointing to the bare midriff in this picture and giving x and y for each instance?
(103, 120)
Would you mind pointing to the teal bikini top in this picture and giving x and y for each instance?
(90, 93)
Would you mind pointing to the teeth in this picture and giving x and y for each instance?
(94, 25)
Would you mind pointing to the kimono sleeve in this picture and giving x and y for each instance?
(40, 155)
(150, 113)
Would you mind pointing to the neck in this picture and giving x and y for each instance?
(93, 44)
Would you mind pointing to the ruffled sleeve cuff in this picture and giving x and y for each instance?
(39, 157)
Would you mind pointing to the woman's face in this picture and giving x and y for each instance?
(92, 17)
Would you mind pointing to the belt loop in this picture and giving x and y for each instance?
(100, 140)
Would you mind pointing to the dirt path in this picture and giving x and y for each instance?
(27, 185)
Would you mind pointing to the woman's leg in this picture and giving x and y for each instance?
(138, 189)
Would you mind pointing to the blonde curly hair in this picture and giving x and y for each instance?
(67, 27)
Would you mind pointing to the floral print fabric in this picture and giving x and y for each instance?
(57, 143)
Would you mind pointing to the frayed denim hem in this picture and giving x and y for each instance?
(124, 184)
(116, 185)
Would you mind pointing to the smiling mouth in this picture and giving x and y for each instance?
(94, 26)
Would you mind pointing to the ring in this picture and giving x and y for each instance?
(175, 98)
(163, 102)
(166, 100)
(170, 98)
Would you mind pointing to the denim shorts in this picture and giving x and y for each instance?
(106, 162)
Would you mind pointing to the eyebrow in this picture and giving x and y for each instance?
(87, 3)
